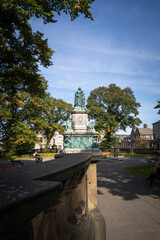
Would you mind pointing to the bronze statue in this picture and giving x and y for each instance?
(79, 100)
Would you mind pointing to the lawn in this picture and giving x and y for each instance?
(139, 155)
(131, 154)
(26, 156)
(142, 171)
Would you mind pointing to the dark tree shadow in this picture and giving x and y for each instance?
(123, 184)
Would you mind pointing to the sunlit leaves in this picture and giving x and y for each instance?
(47, 115)
(22, 136)
(21, 53)
(113, 108)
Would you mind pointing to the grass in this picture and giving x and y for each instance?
(131, 154)
(26, 156)
(142, 171)
(139, 155)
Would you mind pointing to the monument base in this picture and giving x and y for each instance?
(95, 151)
(80, 135)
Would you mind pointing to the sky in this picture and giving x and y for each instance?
(121, 46)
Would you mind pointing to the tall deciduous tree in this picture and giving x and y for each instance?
(31, 116)
(47, 115)
(21, 49)
(114, 109)
(21, 53)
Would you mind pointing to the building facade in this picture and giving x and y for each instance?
(156, 134)
(139, 138)
(124, 141)
(56, 140)
(142, 137)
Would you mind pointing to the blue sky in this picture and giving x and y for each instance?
(121, 46)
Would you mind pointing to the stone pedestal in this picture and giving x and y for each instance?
(81, 135)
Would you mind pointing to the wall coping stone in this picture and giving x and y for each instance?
(28, 190)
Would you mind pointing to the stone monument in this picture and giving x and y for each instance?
(80, 135)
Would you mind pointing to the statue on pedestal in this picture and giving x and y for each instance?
(79, 100)
(80, 134)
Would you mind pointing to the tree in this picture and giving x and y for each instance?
(21, 49)
(108, 141)
(142, 143)
(157, 106)
(114, 109)
(23, 137)
(11, 121)
(31, 116)
(21, 53)
(48, 115)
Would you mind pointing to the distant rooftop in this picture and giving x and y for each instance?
(145, 130)
(156, 122)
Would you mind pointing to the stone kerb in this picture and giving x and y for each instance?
(47, 200)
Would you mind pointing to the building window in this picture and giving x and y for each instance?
(59, 139)
(59, 147)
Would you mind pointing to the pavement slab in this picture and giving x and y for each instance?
(130, 207)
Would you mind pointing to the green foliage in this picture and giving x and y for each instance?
(24, 117)
(47, 115)
(12, 156)
(46, 150)
(114, 109)
(21, 49)
(8, 155)
(23, 137)
(157, 106)
(21, 53)
(20, 136)
(108, 142)
(141, 143)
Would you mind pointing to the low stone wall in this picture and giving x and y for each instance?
(51, 200)
(139, 150)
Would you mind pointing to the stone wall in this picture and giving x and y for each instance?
(156, 130)
(51, 200)
(136, 150)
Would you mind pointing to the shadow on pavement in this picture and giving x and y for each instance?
(120, 183)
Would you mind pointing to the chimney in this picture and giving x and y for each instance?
(145, 125)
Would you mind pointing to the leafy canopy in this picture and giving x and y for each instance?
(47, 115)
(114, 109)
(21, 53)
(21, 49)
(31, 115)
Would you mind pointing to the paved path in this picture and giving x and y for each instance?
(130, 207)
